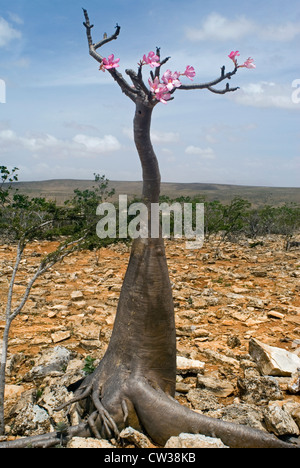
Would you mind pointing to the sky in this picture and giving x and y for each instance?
(63, 118)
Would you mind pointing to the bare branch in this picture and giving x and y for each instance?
(125, 87)
(138, 82)
(223, 91)
(108, 39)
(162, 62)
(210, 85)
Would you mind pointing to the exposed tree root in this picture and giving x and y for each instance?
(138, 404)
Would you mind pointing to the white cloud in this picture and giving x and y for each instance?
(282, 32)
(79, 146)
(218, 27)
(164, 137)
(205, 153)
(15, 18)
(266, 95)
(98, 145)
(7, 33)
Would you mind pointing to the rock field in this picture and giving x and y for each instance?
(238, 332)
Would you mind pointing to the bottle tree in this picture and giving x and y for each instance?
(134, 384)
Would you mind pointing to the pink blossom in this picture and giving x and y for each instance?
(151, 59)
(162, 94)
(248, 64)
(171, 80)
(159, 90)
(154, 85)
(110, 62)
(233, 56)
(190, 72)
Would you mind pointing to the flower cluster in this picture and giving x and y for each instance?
(169, 81)
(247, 64)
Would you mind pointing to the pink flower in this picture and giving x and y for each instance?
(162, 94)
(154, 85)
(233, 56)
(190, 72)
(151, 59)
(159, 90)
(248, 64)
(171, 80)
(110, 62)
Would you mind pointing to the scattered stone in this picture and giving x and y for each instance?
(136, 438)
(233, 341)
(279, 421)
(52, 362)
(202, 400)
(60, 336)
(272, 360)
(182, 387)
(186, 366)
(240, 413)
(31, 420)
(221, 358)
(77, 295)
(275, 314)
(219, 388)
(259, 273)
(259, 390)
(194, 441)
(80, 443)
(294, 384)
(13, 391)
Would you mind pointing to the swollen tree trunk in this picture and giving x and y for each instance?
(144, 338)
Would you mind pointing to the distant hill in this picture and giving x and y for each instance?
(63, 189)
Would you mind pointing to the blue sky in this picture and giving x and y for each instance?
(63, 118)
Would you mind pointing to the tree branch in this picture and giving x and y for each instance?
(210, 85)
(138, 83)
(162, 62)
(223, 91)
(125, 87)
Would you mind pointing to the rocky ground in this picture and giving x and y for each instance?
(227, 296)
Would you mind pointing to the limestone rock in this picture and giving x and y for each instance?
(13, 391)
(272, 360)
(219, 388)
(81, 442)
(185, 366)
(136, 438)
(279, 421)
(294, 384)
(60, 336)
(77, 295)
(202, 400)
(259, 390)
(52, 362)
(194, 441)
(240, 413)
(31, 420)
